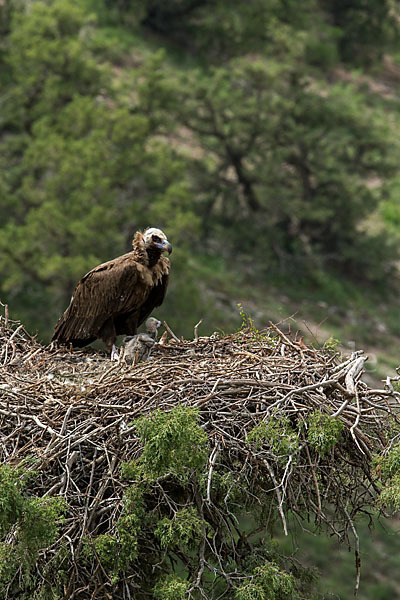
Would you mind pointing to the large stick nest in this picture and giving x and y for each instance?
(74, 413)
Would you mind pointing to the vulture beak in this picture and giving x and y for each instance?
(164, 246)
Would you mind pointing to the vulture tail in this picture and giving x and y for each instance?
(76, 331)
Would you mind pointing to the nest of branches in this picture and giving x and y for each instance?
(290, 428)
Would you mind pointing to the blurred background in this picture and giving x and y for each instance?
(262, 136)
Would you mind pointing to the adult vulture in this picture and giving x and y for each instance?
(117, 296)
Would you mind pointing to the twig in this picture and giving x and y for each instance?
(353, 372)
(213, 458)
(278, 495)
(356, 551)
(171, 333)
(75, 412)
(196, 336)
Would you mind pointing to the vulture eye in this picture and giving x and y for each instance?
(155, 238)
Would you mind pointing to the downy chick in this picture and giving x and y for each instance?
(138, 347)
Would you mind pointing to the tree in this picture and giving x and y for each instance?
(82, 173)
(250, 155)
(287, 162)
(218, 30)
(367, 29)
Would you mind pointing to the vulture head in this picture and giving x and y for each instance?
(156, 239)
(152, 325)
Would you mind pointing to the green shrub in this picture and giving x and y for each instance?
(268, 583)
(34, 522)
(323, 432)
(277, 433)
(184, 529)
(173, 443)
(171, 588)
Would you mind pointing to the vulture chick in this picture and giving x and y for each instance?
(117, 296)
(138, 347)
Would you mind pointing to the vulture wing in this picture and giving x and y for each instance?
(111, 289)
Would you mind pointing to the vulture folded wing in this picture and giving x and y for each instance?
(110, 289)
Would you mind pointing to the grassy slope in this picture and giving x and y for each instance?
(359, 319)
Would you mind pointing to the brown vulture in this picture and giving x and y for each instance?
(138, 347)
(117, 296)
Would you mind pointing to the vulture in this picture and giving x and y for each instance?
(138, 347)
(117, 296)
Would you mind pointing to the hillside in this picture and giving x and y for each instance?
(263, 139)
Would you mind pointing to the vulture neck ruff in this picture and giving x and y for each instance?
(148, 256)
(154, 255)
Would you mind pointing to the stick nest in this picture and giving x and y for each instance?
(74, 413)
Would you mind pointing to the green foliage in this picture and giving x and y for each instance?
(184, 529)
(278, 434)
(106, 547)
(50, 58)
(249, 327)
(390, 494)
(332, 345)
(118, 551)
(389, 464)
(388, 468)
(366, 29)
(242, 111)
(242, 149)
(77, 161)
(173, 443)
(12, 501)
(33, 521)
(171, 588)
(323, 432)
(250, 591)
(39, 524)
(129, 525)
(268, 583)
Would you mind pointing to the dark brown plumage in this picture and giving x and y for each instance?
(117, 296)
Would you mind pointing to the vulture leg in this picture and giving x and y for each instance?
(109, 335)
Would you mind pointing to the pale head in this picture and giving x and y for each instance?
(152, 325)
(157, 238)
